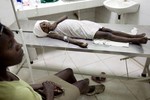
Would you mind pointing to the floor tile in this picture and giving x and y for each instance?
(82, 59)
(135, 74)
(24, 75)
(140, 60)
(119, 67)
(49, 53)
(38, 74)
(139, 89)
(61, 62)
(84, 97)
(115, 90)
(104, 56)
(95, 69)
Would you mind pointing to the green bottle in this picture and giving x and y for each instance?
(46, 1)
(43, 1)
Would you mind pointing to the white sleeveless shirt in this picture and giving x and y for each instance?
(76, 28)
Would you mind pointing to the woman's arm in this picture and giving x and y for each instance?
(67, 39)
(48, 88)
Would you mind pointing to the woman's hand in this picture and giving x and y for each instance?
(48, 86)
(56, 86)
(48, 89)
(57, 89)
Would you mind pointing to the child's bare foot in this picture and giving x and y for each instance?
(140, 35)
(83, 45)
(140, 40)
(144, 40)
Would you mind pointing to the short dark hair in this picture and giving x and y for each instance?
(4, 29)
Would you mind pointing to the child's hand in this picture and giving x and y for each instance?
(84, 45)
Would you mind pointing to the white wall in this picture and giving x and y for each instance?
(141, 17)
(6, 12)
(86, 14)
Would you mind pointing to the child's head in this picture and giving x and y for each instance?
(41, 28)
(11, 52)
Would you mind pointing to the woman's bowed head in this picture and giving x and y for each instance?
(83, 29)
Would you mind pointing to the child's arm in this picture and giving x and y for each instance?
(54, 25)
(61, 19)
(67, 39)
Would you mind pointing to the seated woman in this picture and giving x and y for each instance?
(13, 88)
(66, 29)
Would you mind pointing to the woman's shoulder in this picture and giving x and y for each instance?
(12, 76)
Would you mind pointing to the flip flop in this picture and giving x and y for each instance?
(58, 92)
(99, 79)
(97, 90)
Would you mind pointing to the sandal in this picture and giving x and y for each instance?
(97, 90)
(99, 79)
(58, 92)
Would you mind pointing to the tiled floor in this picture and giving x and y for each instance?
(89, 64)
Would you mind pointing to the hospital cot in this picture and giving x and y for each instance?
(132, 51)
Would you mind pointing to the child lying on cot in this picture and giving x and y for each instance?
(14, 88)
(67, 29)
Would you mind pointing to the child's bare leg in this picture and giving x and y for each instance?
(119, 33)
(83, 86)
(110, 36)
(67, 75)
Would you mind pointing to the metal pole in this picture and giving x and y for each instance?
(23, 42)
(13, 6)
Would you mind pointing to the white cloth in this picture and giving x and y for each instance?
(76, 28)
(37, 29)
(110, 43)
